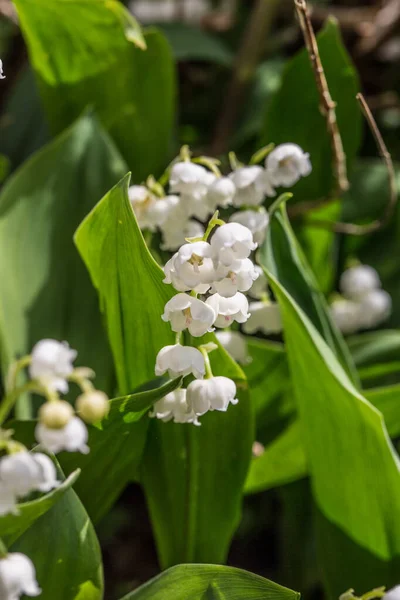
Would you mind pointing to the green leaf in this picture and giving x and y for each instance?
(97, 59)
(387, 401)
(206, 582)
(354, 469)
(50, 293)
(294, 112)
(13, 526)
(192, 43)
(64, 549)
(376, 356)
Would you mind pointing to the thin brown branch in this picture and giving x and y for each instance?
(352, 228)
(326, 104)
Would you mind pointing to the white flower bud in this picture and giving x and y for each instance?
(186, 312)
(142, 201)
(375, 307)
(239, 276)
(17, 577)
(251, 186)
(260, 285)
(221, 193)
(175, 232)
(231, 242)
(265, 317)
(346, 314)
(188, 178)
(228, 310)
(234, 343)
(71, 438)
(1, 70)
(357, 281)
(174, 407)
(24, 472)
(255, 220)
(93, 406)
(180, 360)
(393, 594)
(51, 363)
(191, 268)
(56, 414)
(286, 164)
(215, 393)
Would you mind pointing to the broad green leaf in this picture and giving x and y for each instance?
(49, 292)
(63, 546)
(190, 43)
(376, 355)
(283, 461)
(285, 260)
(355, 471)
(97, 59)
(175, 473)
(387, 400)
(12, 526)
(294, 112)
(210, 582)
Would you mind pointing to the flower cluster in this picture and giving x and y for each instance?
(363, 304)
(196, 192)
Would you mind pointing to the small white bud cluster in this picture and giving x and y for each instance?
(364, 304)
(195, 193)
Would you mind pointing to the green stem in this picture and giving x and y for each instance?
(214, 221)
(9, 400)
(207, 364)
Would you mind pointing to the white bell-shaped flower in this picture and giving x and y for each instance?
(264, 317)
(238, 277)
(260, 285)
(228, 310)
(375, 307)
(191, 268)
(17, 577)
(286, 164)
(2, 76)
(251, 186)
(142, 200)
(8, 501)
(188, 178)
(186, 312)
(357, 281)
(215, 393)
(392, 594)
(235, 343)
(174, 407)
(180, 360)
(71, 438)
(255, 220)
(166, 210)
(24, 472)
(196, 204)
(51, 363)
(221, 193)
(346, 314)
(230, 242)
(175, 232)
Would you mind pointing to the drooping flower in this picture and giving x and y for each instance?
(392, 594)
(24, 472)
(51, 363)
(180, 360)
(228, 310)
(71, 438)
(260, 285)
(215, 393)
(234, 343)
(174, 233)
(142, 201)
(8, 501)
(2, 76)
(188, 178)
(346, 315)
(255, 220)
(230, 242)
(93, 406)
(165, 211)
(174, 407)
(356, 281)
(238, 277)
(221, 193)
(265, 317)
(251, 186)
(191, 268)
(17, 577)
(197, 203)
(375, 307)
(286, 164)
(186, 312)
